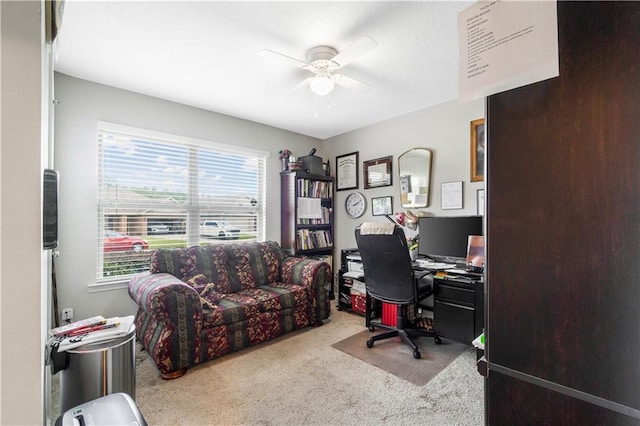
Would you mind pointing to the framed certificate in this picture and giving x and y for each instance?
(347, 171)
(377, 172)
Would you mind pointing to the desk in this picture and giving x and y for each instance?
(458, 301)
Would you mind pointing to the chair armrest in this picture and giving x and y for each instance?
(316, 276)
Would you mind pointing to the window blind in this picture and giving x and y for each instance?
(162, 191)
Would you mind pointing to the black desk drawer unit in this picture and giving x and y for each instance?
(458, 309)
(455, 293)
(454, 322)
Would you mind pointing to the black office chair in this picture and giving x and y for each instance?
(390, 277)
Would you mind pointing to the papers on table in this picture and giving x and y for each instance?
(113, 328)
(77, 326)
(427, 264)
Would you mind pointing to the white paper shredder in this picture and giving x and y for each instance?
(113, 409)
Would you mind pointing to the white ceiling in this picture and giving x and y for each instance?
(206, 54)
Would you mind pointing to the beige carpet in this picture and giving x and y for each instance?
(300, 379)
(396, 357)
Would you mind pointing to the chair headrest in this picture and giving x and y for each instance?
(376, 228)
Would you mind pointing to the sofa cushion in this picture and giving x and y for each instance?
(181, 263)
(253, 264)
(232, 307)
(231, 267)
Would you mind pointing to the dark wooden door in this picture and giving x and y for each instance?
(563, 231)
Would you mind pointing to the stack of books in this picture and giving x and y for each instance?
(91, 330)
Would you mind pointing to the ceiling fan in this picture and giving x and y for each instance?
(324, 61)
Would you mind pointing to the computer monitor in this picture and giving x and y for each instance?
(446, 238)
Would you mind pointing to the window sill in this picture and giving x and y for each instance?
(109, 285)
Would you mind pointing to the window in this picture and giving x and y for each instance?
(157, 190)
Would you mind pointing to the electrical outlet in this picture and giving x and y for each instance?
(67, 314)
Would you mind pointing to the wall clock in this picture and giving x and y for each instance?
(355, 204)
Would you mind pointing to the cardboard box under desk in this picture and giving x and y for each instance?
(359, 303)
(358, 296)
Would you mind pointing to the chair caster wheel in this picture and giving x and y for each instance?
(370, 343)
(416, 354)
(372, 328)
(437, 339)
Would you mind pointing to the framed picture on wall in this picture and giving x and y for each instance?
(381, 206)
(347, 171)
(477, 150)
(377, 172)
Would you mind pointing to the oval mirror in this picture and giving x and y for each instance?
(414, 168)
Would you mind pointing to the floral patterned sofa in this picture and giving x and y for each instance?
(199, 303)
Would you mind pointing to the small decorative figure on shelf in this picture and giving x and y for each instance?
(284, 157)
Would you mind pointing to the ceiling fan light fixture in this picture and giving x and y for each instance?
(322, 84)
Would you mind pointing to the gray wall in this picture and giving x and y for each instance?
(444, 129)
(82, 105)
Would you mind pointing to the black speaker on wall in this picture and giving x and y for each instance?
(50, 209)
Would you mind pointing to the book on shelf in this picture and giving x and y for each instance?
(325, 218)
(315, 188)
(307, 239)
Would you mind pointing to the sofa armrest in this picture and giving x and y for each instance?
(169, 320)
(159, 294)
(316, 276)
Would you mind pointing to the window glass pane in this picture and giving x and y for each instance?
(162, 193)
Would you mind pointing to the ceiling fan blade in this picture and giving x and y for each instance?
(293, 61)
(296, 89)
(357, 49)
(350, 83)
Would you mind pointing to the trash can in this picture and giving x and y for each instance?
(98, 369)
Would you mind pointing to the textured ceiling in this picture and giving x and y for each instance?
(206, 54)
